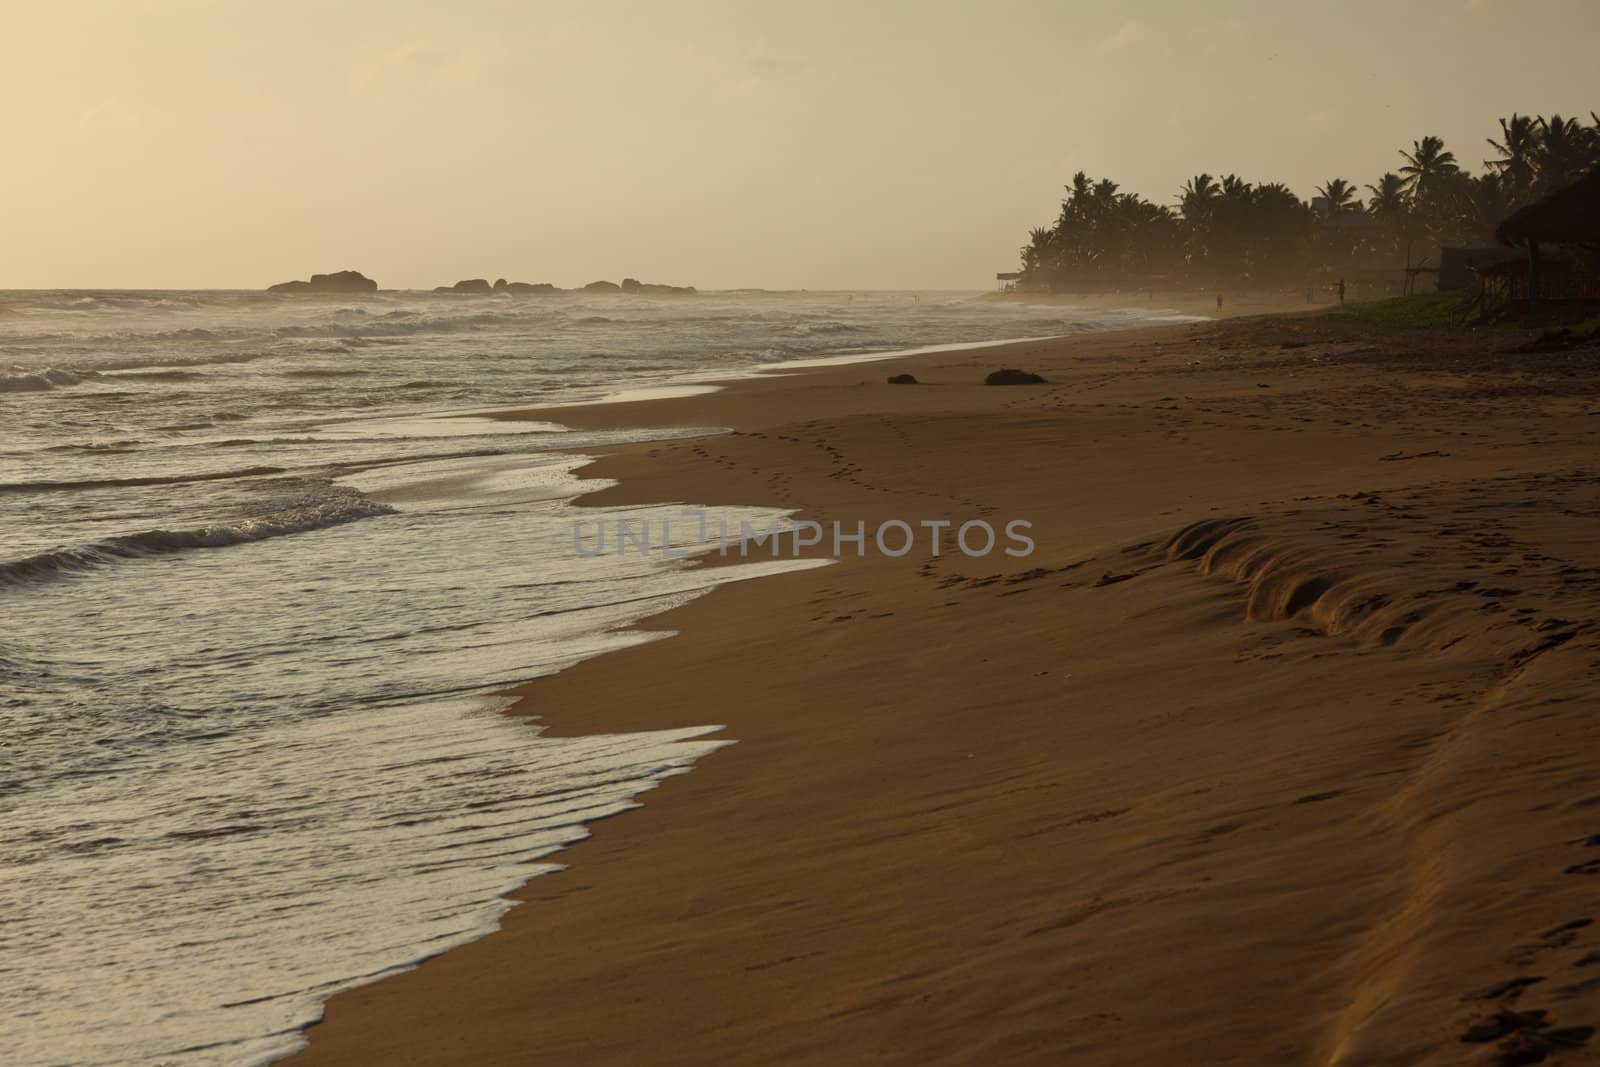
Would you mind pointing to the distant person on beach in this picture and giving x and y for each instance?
(1219, 301)
(1341, 292)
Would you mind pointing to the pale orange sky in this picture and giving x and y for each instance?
(811, 144)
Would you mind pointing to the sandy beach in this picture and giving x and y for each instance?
(1277, 749)
(1235, 302)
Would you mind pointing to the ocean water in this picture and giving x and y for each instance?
(256, 601)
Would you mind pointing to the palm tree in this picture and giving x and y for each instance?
(1388, 197)
(1518, 147)
(1338, 193)
(1197, 204)
(1485, 200)
(1195, 199)
(1038, 255)
(1235, 188)
(1426, 163)
(1391, 206)
(1562, 151)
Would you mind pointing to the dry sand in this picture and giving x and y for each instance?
(1280, 749)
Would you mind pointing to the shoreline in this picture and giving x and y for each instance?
(703, 383)
(964, 856)
(1236, 303)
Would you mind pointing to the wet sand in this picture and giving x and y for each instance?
(1278, 749)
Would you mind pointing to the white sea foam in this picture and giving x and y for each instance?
(253, 602)
(18, 379)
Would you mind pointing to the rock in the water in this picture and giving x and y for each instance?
(474, 286)
(603, 287)
(902, 379)
(634, 285)
(1011, 376)
(529, 288)
(344, 281)
(499, 284)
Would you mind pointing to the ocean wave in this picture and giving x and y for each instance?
(206, 424)
(116, 483)
(136, 337)
(244, 442)
(127, 445)
(169, 375)
(337, 506)
(169, 361)
(405, 326)
(70, 300)
(16, 379)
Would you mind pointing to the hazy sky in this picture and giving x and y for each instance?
(802, 143)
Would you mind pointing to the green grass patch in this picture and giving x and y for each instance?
(1425, 311)
(1459, 311)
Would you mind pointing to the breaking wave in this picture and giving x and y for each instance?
(336, 506)
(154, 479)
(403, 326)
(37, 379)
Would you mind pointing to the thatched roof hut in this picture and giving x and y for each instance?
(1571, 214)
(1457, 266)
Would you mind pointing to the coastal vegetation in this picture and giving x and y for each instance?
(1456, 310)
(1232, 232)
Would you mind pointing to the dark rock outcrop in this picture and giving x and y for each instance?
(902, 379)
(469, 286)
(634, 285)
(523, 288)
(343, 281)
(1011, 376)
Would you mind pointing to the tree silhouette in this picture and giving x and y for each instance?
(1229, 231)
(1338, 193)
(1389, 200)
(1563, 152)
(1518, 147)
(1426, 164)
(1197, 196)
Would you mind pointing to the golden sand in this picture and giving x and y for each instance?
(1279, 749)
